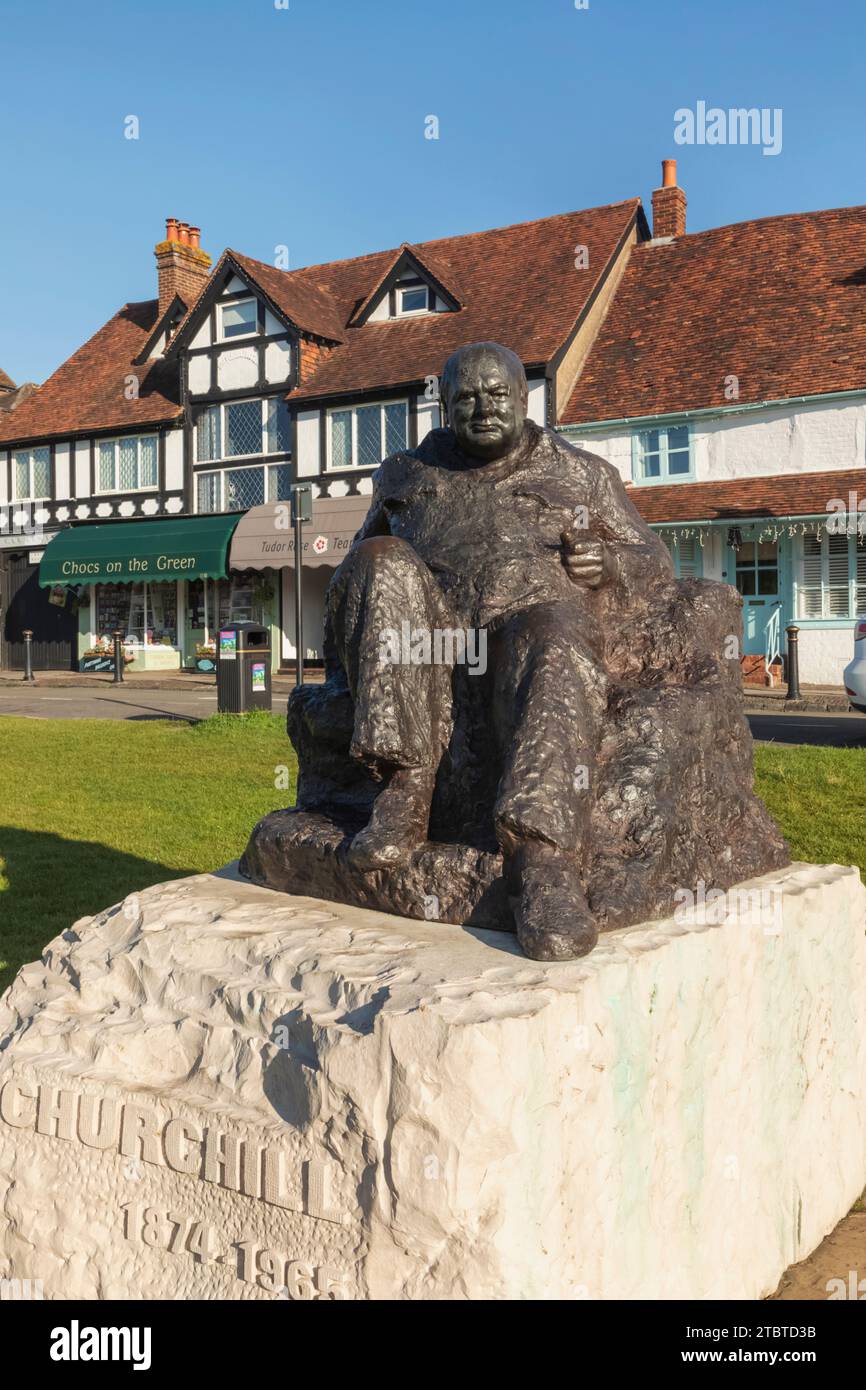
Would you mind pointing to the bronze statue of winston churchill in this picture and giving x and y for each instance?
(527, 721)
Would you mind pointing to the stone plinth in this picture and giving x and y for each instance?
(217, 1091)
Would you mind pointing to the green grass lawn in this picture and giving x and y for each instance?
(91, 810)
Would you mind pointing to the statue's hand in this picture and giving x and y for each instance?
(586, 562)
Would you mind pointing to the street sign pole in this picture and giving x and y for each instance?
(302, 511)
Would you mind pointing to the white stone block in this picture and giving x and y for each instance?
(215, 1091)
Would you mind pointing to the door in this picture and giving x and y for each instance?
(756, 567)
(54, 624)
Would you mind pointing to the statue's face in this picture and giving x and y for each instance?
(486, 406)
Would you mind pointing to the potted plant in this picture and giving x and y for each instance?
(100, 657)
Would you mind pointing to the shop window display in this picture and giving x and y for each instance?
(145, 613)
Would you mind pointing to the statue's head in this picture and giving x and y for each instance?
(484, 392)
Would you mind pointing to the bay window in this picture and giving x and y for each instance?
(361, 436)
(31, 470)
(127, 465)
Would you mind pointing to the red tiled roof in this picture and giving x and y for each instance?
(521, 288)
(786, 494)
(88, 391)
(307, 304)
(6, 382)
(780, 303)
(518, 284)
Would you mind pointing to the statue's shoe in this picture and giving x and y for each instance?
(398, 822)
(553, 917)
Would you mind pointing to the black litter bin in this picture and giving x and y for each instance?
(243, 668)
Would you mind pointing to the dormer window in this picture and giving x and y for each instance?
(238, 319)
(407, 288)
(413, 300)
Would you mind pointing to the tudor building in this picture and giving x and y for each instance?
(210, 400)
(723, 373)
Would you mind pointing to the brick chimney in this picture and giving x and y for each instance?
(182, 265)
(669, 204)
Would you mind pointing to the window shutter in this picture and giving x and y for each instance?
(810, 604)
(689, 558)
(837, 576)
(861, 578)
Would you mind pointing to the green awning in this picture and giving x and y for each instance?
(126, 552)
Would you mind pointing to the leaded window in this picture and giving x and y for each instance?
(129, 464)
(362, 436)
(240, 429)
(32, 474)
(238, 489)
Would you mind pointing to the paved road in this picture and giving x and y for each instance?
(835, 730)
(108, 703)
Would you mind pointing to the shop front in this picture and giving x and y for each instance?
(264, 543)
(244, 596)
(165, 584)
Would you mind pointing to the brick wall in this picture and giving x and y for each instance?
(182, 270)
(311, 355)
(669, 211)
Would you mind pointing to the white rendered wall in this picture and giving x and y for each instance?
(199, 374)
(314, 583)
(201, 337)
(174, 460)
(760, 443)
(537, 407)
(824, 653)
(82, 468)
(278, 361)
(238, 369)
(62, 454)
(428, 417)
(339, 488)
(308, 443)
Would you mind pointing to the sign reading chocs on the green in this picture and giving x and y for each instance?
(194, 547)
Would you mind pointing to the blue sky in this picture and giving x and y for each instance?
(305, 126)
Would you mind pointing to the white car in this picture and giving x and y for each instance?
(855, 673)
